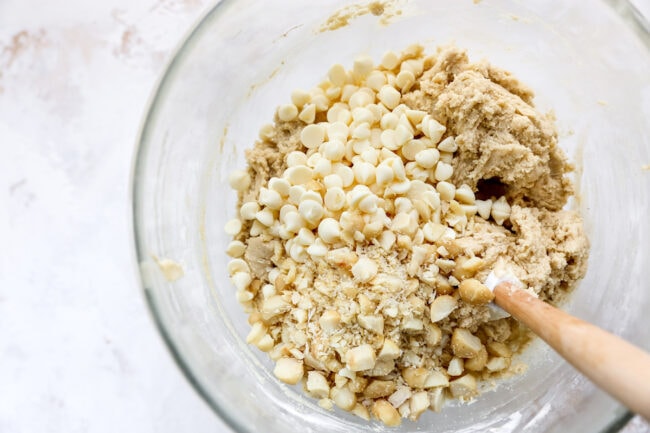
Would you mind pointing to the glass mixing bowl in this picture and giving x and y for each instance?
(587, 61)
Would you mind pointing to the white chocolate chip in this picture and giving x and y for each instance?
(265, 217)
(390, 60)
(308, 114)
(287, 112)
(237, 265)
(271, 198)
(311, 195)
(296, 158)
(311, 211)
(236, 249)
(404, 80)
(446, 190)
(338, 131)
(389, 96)
(334, 199)
(300, 97)
(329, 230)
(465, 195)
(431, 128)
(364, 173)
(337, 75)
(361, 99)
(332, 181)
(298, 175)
(448, 145)
(233, 227)
(484, 208)
(312, 136)
(427, 158)
(368, 203)
(239, 180)
(248, 210)
(241, 280)
(500, 210)
(443, 171)
(281, 186)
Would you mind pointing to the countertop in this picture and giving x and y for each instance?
(78, 349)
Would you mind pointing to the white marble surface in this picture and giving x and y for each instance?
(78, 350)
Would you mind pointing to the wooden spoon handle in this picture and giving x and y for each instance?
(613, 364)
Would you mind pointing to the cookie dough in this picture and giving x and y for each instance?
(369, 214)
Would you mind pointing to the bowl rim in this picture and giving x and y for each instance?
(158, 91)
(624, 8)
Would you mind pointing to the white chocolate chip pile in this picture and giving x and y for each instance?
(360, 244)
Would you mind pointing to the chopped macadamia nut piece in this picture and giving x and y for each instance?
(343, 398)
(437, 399)
(415, 377)
(418, 404)
(435, 379)
(497, 364)
(477, 363)
(379, 388)
(289, 370)
(456, 367)
(360, 358)
(317, 385)
(330, 320)
(474, 292)
(274, 306)
(465, 344)
(364, 269)
(497, 348)
(361, 411)
(386, 413)
(441, 307)
(372, 322)
(389, 350)
(463, 387)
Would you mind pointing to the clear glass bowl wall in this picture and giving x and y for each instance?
(589, 62)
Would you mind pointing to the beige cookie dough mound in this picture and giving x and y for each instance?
(502, 140)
